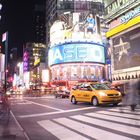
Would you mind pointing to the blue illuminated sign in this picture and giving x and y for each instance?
(130, 15)
(76, 52)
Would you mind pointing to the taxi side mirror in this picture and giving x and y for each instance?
(89, 89)
(74, 88)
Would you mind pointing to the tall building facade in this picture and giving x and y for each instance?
(76, 50)
(39, 27)
(123, 19)
(51, 16)
(34, 61)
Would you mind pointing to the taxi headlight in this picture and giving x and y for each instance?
(102, 94)
(119, 93)
(8, 92)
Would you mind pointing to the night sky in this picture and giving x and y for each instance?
(17, 20)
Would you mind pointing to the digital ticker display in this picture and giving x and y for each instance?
(77, 52)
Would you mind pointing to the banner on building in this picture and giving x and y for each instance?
(126, 52)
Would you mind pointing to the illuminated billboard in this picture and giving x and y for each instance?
(76, 5)
(26, 61)
(76, 52)
(115, 8)
(75, 26)
(45, 76)
(126, 51)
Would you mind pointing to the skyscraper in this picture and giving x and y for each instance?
(28, 26)
(39, 22)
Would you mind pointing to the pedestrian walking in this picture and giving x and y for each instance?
(133, 94)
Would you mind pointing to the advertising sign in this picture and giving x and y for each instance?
(126, 52)
(76, 5)
(45, 76)
(26, 61)
(130, 15)
(75, 26)
(36, 62)
(118, 6)
(76, 52)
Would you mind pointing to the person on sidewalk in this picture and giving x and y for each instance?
(134, 94)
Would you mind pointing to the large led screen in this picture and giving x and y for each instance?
(76, 52)
(76, 5)
(126, 50)
(75, 26)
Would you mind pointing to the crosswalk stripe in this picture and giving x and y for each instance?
(136, 110)
(126, 111)
(61, 132)
(88, 130)
(128, 108)
(114, 118)
(119, 114)
(108, 124)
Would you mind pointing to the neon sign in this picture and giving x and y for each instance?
(26, 61)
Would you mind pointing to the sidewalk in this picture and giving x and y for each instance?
(11, 131)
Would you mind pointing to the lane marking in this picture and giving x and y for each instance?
(45, 105)
(56, 112)
(108, 124)
(42, 97)
(60, 132)
(90, 131)
(26, 103)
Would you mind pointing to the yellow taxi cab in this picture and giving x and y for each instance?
(95, 93)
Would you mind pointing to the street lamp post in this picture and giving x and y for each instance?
(5, 39)
(0, 9)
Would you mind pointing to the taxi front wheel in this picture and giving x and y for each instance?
(95, 101)
(115, 104)
(73, 100)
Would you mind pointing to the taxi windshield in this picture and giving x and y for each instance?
(100, 87)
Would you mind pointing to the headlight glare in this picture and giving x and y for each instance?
(119, 93)
(102, 94)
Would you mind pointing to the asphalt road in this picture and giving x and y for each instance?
(51, 118)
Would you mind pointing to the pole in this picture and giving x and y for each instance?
(6, 58)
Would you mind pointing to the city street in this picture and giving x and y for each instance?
(50, 118)
(61, 61)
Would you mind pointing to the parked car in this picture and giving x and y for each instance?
(95, 93)
(62, 94)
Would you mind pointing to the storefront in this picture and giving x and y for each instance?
(124, 36)
(78, 71)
